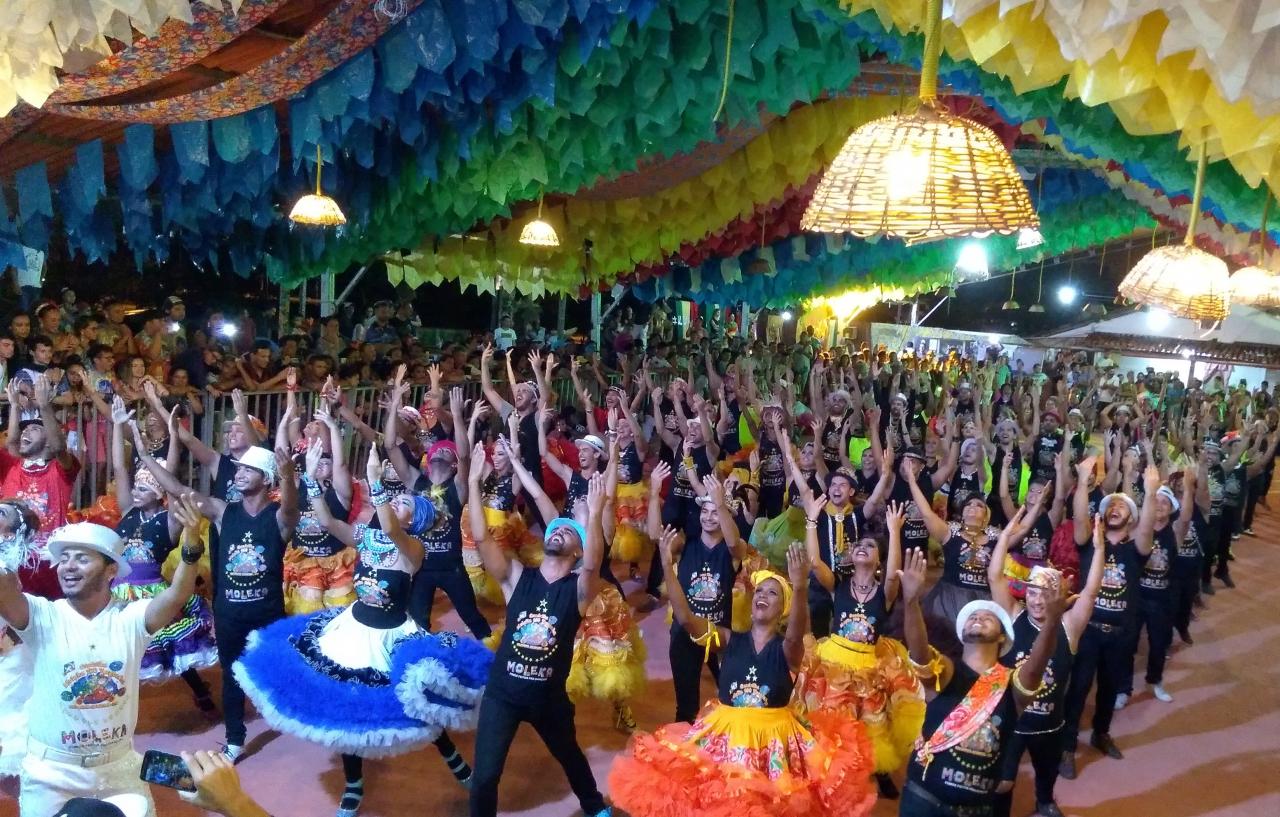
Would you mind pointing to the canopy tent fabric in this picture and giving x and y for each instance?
(1245, 324)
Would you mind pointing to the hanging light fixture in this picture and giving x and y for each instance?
(1038, 307)
(923, 175)
(1185, 281)
(972, 264)
(1012, 304)
(538, 233)
(317, 208)
(1256, 285)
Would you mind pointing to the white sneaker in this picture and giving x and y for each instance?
(1158, 691)
(232, 752)
(1122, 700)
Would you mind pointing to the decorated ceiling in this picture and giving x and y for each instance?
(673, 145)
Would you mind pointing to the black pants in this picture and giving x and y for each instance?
(457, 586)
(553, 721)
(1257, 490)
(1103, 655)
(1155, 614)
(1046, 754)
(917, 803)
(1228, 526)
(686, 674)
(233, 633)
(821, 609)
(1186, 586)
(1209, 544)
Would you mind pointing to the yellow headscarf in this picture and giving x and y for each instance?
(761, 576)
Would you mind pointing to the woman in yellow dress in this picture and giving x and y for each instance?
(858, 669)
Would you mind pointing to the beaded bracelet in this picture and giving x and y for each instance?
(379, 499)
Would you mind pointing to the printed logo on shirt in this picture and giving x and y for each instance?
(985, 741)
(93, 686)
(137, 550)
(245, 566)
(1114, 583)
(1034, 547)
(704, 590)
(1155, 571)
(857, 627)
(372, 592)
(749, 693)
(534, 639)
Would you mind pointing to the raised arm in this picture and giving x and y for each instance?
(339, 528)
(1000, 592)
(937, 526)
(15, 420)
(813, 506)
(120, 416)
(546, 508)
(391, 431)
(167, 606)
(55, 444)
(925, 660)
(728, 524)
(589, 582)
(661, 472)
(461, 441)
(1080, 502)
(1081, 611)
(342, 483)
(1006, 500)
(1030, 674)
(895, 517)
(1144, 533)
(288, 515)
(241, 407)
(496, 563)
(208, 505)
(486, 382)
(560, 469)
(798, 617)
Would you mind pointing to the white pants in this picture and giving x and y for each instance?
(48, 784)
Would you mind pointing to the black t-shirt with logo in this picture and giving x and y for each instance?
(750, 679)
(706, 574)
(1118, 595)
(248, 564)
(533, 658)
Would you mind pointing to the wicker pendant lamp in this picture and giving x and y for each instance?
(538, 233)
(1256, 285)
(1181, 279)
(317, 208)
(923, 175)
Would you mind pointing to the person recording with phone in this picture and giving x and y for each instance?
(86, 653)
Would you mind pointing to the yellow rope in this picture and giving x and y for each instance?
(728, 54)
(932, 51)
(1262, 231)
(1194, 220)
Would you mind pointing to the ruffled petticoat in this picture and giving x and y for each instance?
(185, 643)
(508, 529)
(608, 654)
(331, 680)
(313, 583)
(747, 762)
(872, 682)
(631, 542)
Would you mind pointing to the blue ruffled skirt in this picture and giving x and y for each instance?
(355, 705)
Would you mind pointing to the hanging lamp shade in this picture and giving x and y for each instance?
(1181, 279)
(538, 233)
(922, 175)
(1256, 285)
(316, 208)
(1029, 237)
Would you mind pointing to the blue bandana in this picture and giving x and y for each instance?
(424, 515)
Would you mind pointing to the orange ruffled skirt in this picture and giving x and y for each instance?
(747, 762)
(609, 654)
(870, 682)
(509, 530)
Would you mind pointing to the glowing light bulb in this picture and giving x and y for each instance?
(1067, 294)
(907, 171)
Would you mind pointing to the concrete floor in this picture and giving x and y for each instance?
(1214, 751)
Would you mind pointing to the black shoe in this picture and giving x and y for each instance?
(886, 787)
(1067, 767)
(1185, 635)
(1104, 744)
(352, 797)
(1207, 588)
(1227, 581)
(1049, 809)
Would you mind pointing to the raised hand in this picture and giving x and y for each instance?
(665, 544)
(486, 355)
(478, 461)
(312, 458)
(41, 390)
(895, 516)
(912, 575)
(284, 463)
(291, 378)
(119, 413)
(480, 411)
(1086, 466)
(798, 565)
(713, 487)
(239, 404)
(813, 505)
(661, 472)
(596, 494)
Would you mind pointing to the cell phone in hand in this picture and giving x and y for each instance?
(164, 769)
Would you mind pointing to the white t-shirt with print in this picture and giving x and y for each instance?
(85, 696)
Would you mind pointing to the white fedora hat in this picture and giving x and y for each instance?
(90, 536)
